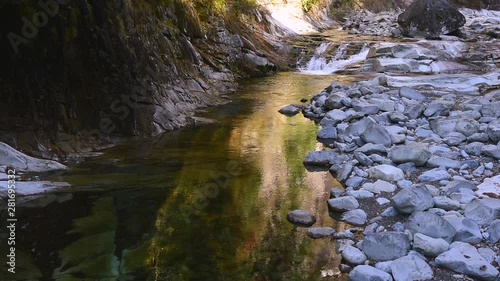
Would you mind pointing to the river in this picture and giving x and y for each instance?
(201, 203)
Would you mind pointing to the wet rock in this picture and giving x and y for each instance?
(22, 162)
(430, 19)
(411, 200)
(320, 232)
(483, 211)
(431, 247)
(355, 217)
(290, 110)
(494, 231)
(434, 175)
(320, 158)
(431, 225)
(437, 161)
(342, 204)
(415, 153)
(377, 135)
(410, 93)
(464, 258)
(385, 246)
(467, 230)
(353, 255)
(386, 172)
(368, 273)
(301, 218)
(410, 268)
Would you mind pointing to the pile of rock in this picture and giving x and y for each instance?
(431, 159)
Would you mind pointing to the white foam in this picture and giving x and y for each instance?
(318, 65)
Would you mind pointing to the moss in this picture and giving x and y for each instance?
(308, 4)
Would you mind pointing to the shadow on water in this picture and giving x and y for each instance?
(204, 203)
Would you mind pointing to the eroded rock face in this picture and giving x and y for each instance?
(430, 19)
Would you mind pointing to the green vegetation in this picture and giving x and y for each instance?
(308, 4)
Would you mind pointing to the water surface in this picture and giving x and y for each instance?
(202, 203)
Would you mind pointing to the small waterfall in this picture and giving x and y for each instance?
(319, 65)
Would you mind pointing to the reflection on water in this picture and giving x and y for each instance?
(205, 203)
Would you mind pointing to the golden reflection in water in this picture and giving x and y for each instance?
(274, 146)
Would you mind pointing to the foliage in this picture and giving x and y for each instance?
(308, 4)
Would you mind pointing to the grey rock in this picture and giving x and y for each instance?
(366, 108)
(289, 110)
(342, 204)
(359, 127)
(430, 19)
(327, 133)
(377, 135)
(410, 93)
(431, 247)
(355, 217)
(353, 255)
(422, 133)
(415, 153)
(438, 161)
(320, 232)
(363, 159)
(336, 192)
(454, 138)
(386, 172)
(431, 225)
(385, 246)
(344, 172)
(467, 127)
(410, 268)
(494, 231)
(456, 185)
(488, 254)
(464, 258)
(491, 110)
(436, 108)
(334, 101)
(389, 212)
(483, 211)
(467, 230)
(434, 175)
(493, 130)
(491, 151)
(320, 158)
(360, 194)
(404, 184)
(354, 182)
(368, 273)
(446, 203)
(384, 186)
(411, 200)
(443, 127)
(474, 148)
(301, 218)
(414, 111)
(384, 266)
(478, 137)
(22, 162)
(371, 148)
(397, 117)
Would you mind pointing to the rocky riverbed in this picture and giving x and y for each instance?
(417, 150)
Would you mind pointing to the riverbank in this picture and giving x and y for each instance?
(417, 150)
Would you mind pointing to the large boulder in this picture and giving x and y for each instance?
(22, 162)
(411, 200)
(430, 19)
(416, 153)
(431, 225)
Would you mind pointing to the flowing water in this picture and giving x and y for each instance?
(204, 203)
